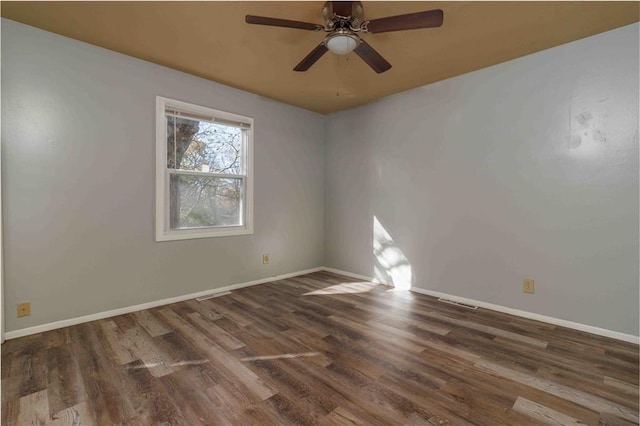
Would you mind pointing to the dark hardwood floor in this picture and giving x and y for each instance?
(318, 349)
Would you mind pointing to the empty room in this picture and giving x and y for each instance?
(319, 213)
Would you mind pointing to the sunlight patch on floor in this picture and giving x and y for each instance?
(281, 356)
(344, 288)
(175, 364)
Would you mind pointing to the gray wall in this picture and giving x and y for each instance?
(525, 169)
(528, 168)
(78, 164)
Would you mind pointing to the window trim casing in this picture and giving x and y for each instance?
(162, 186)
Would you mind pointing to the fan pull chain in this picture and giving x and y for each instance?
(346, 59)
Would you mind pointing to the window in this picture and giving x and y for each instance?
(203, 172)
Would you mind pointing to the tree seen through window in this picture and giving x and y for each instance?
(206, 193)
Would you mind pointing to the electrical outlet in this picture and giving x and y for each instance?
(24, 309)
(265, 258)
(528, 285)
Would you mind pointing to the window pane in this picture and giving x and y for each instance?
(180, 134)
(197, 201)
(203, 146)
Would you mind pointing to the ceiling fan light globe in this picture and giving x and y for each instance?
(342, 44)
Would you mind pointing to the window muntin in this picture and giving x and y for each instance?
(206, 172)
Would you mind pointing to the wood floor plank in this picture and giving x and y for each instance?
(293, 387)
(493, 409)
(218, 396)
(341, 416)
(574, 395)
(214, 332)
(490, 348)
(611, 420)
(30, 366)
(203, 309)
(238, 404)
(318, 349)
(280, 345)
(217, 304)
(621, 386)
(78, 415)
(346, 384)
(182, 355)
(585, 383)
(404, 342)
(491, 330)
(56, 337)
(125, 322)
(290, 412)
(500, 386)
(106, 394)
(236, 368)
(34, 409)
(543, 414)
(194, 403)
(150, 323)
(10, 399)
(65, 388)
(120, 346)
(144, 349)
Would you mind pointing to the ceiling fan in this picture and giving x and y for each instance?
(344, 21)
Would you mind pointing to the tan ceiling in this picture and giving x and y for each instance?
(211, 40)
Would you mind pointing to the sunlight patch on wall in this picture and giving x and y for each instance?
(392, 266)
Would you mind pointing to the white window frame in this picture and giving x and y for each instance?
(163, 231)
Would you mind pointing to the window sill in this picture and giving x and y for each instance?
(191, 234)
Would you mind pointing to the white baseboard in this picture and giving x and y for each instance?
(499, 308)
(504, 309)
(128, 309)
(533, 316)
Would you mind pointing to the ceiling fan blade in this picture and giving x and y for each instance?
(410, 21)
(276, 22)
(342, 8)
(372, 58)
(311, 58)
